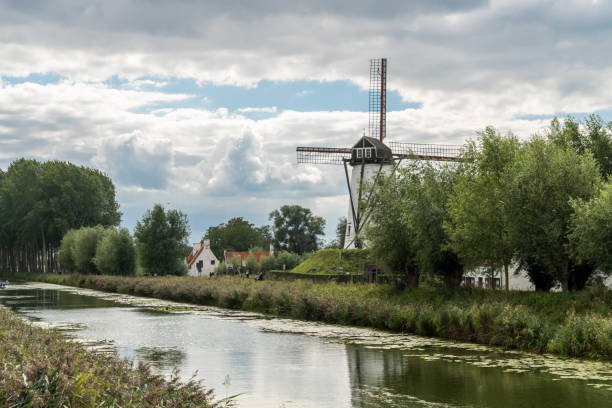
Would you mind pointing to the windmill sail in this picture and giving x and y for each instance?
(378, 99)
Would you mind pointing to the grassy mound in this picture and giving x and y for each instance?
(327, 261)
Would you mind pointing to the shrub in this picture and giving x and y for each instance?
(115, 253)
(84, 248)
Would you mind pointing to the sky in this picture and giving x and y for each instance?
(199, 105)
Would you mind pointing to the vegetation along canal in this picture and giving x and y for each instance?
(289, 363)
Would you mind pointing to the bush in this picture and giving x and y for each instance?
(267, 263)
(66, 257)
(84, 248)
(287, 260)
(115, 253)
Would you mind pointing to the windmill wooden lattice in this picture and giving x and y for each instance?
(370, 156)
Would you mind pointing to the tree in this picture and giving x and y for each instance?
(84, 248)
(66, 257)
(296, 229)
(591, 230)
(237, 235)
(341, 232)
(389, 233)
(160, 240)
(116, 253)
(595, 137)
(40, 202)
(407, 230)
(478, 224)
(428, 213)
(542, 180)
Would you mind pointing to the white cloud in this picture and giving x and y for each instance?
(470, 64)
(268, 109)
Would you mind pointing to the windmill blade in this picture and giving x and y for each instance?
(423, 151)
(322, 155)
(377, 105)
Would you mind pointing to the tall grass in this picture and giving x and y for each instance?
(39, 368)
(572, 324)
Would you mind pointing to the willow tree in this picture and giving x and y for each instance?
(478, 224)
(542, 182)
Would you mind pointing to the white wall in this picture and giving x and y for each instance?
(369, 174)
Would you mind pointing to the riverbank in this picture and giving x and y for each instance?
(570, 324)
(41, 368)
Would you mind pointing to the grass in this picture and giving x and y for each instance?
(327, 261)
(572, 324)
(40, 368)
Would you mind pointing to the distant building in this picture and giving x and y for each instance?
(243, 255)
(201, 261)
(481, 278)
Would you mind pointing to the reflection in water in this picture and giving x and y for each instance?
(161, 358)
(386, 377)
(289, 363)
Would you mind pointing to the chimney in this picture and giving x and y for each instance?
(206, 243)
(196, 246)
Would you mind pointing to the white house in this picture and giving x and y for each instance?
(480, 278)
(201, 261)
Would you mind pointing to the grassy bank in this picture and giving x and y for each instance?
(327, 261)
(572, 324)
(40, 368)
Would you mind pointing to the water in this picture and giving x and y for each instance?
(289, 363)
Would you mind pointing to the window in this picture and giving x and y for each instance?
(348, 229)
(359, 153)
(368, 153)
(212, 261)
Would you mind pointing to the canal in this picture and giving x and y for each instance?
(287, 363)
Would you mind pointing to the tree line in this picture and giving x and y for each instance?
(40, 202)
(544, 204)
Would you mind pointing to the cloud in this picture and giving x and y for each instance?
(269, 109)
(470, 64)
(134, 160)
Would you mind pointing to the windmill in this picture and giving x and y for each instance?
(370, 157)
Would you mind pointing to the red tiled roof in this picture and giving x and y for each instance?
(193, 256)
(245, 254)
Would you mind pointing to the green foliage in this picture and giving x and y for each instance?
(327, 261)
(66, 257)
(116, 253)
(591, 230)
(251, 265)
(341, 232)
(84, 248)
(40, 202)
(594, 138)
(161, 237)
(478, 224)
(267, 263)
(542, 181)
(409, 210)
(221, 269)
(287, 260)
(390, 235)
(237, 235)
(296, 229)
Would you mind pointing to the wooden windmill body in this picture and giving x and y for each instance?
(370, 157)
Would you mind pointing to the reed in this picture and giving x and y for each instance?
(41, 368)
